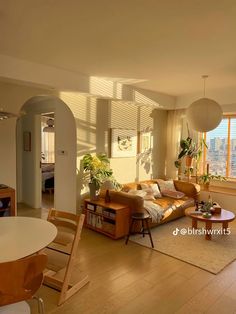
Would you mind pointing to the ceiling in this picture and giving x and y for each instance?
(160, 45)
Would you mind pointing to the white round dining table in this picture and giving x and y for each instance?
(24, 236)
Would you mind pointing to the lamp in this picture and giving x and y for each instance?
(50, 127)
(204, 114)
(107, 185)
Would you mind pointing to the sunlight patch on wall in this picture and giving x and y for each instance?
(123, 115)
(142, 99)
(146, 120)
(84, 111)
(101, 87)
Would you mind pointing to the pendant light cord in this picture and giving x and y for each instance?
(204, 78)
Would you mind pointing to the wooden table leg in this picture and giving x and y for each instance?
(208, 229)
(194, 223)
(225, 226)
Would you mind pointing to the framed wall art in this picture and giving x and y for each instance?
(123, 143)
(145, 141)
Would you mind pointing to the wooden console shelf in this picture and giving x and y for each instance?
(111, 219)
(7, 192)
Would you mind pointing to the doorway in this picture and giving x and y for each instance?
(29, 173)
(47, 159)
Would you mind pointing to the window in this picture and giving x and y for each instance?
(221, 152)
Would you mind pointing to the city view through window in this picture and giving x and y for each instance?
(221, 158)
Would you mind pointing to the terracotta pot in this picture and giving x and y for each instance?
(189, 161)
(206, 186)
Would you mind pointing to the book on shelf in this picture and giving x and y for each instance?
(94, 220)
(99, 209)
(91, 207)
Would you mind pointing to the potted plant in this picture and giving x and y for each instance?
(190, 150)
(206, 179)
(96, 171)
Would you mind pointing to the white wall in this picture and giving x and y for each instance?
(29, 162)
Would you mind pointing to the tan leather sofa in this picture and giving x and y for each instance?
(174, 208)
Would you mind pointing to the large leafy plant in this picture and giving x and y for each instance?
(97, 169)
(208, 177)
(190, 148)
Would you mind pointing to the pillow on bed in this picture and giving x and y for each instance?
(173, 194)
(48, 168)
(166, 186)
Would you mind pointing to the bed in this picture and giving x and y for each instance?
(47, 176)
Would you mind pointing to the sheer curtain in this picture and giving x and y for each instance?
(175, 126)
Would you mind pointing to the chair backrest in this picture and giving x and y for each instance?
(66, 242)
(65, 222)
(63, 219)
(20, 279)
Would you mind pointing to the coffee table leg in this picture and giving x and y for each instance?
(208, 228)
(225, 226)
(194, 223)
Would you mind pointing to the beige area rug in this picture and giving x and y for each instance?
(212, 255)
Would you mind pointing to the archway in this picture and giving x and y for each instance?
(28, 160)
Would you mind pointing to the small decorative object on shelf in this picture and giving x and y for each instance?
(107, 185)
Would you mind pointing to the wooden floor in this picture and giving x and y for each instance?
(134, 279)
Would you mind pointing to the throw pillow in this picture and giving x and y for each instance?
(155, 190)
(166, 185)
(151, 188)
(140, 193)
(173, 194)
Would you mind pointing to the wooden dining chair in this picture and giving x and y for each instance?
(19, 281)
(58, 275)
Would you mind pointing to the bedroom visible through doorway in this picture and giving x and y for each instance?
(47, 159)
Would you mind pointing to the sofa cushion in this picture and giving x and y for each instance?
(167, 202)
(188, 188)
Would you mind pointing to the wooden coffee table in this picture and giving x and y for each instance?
(224, 217)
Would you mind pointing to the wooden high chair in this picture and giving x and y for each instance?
(66, 243)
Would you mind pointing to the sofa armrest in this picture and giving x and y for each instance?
(188, 188)
(134, 202)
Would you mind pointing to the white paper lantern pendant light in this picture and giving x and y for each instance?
(204, 114)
